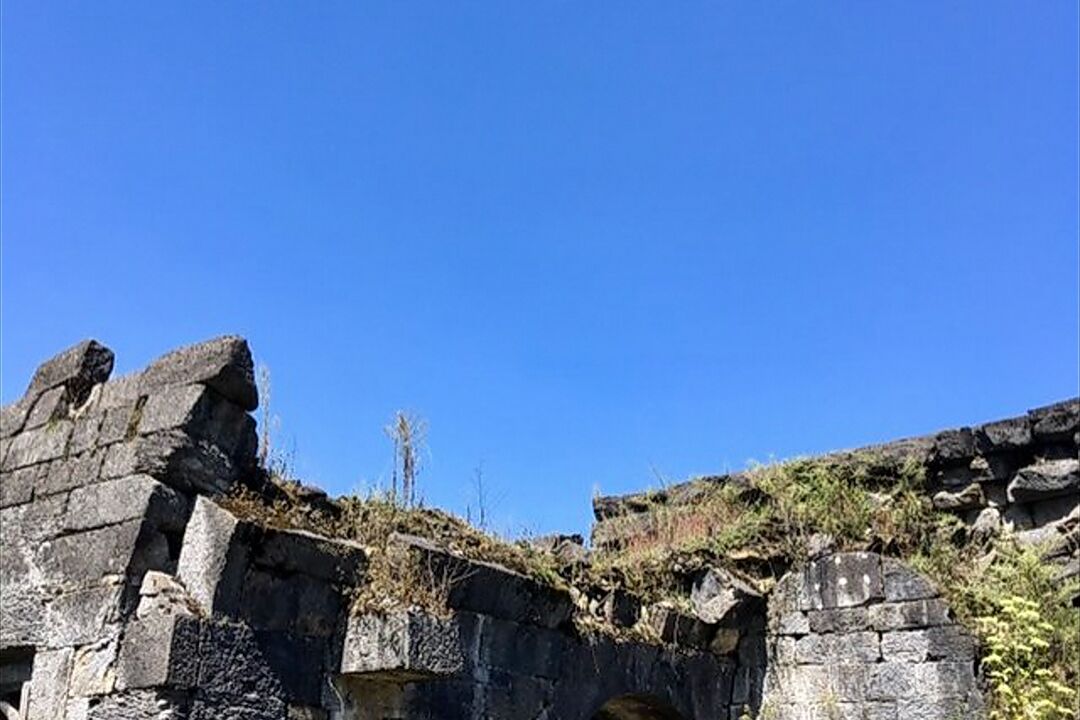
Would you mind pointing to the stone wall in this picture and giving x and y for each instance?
(128, 591)
(1020, 474)
(855, 635)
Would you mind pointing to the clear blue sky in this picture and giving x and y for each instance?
(583, 239)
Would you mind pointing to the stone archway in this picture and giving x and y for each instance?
(636, 707)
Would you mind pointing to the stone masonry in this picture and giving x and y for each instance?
(129, 592)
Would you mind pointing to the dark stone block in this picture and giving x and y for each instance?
(78, 369)
(296, 662)
(1056, 422)
(952, 446)
(224, 364)
(1045, 480)
(298, 551)
(233, 663)
(1004, 435)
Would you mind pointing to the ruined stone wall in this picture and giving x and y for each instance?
(855, 635)
(128, 591)
(1020, 474)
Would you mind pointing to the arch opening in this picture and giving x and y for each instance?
(636, 707)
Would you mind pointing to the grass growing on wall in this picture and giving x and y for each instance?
(1005, 594)
(1023, 617)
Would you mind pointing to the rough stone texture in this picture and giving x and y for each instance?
(224, 364)
(871, 654)
(129, 592)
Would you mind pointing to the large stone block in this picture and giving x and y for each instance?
(947, 642)
(490, 589)
(50, 405)
(841, 580)
(17, 486)
(299, 551)
(677, 628)
(903, 583)
(1045, 480)
(951, 446)
(214, 557)
(201, 412)
(178, 459)
(128, 498)
(406, 645)
(86, 557)
(521, 649)
(233, 664)
(715, 593)
(83, 616)
(224, 364)
(93, 668)
(158, 651)
(13, 417)
(910, 614)
(1056, 422)
(964, 499)
(49, 684)
(78, 368)
(1004, 435)
(45, 443)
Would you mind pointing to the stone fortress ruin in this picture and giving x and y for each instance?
(134, 587)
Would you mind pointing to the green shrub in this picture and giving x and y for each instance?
(1019, 664)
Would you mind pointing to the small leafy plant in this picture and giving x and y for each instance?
(1019, 665)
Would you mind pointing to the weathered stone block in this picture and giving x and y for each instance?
(72, 472)
(49, 683)
(1045, 480)
(1004, 435)
(78, 368)
(17, 486)
(47, 442)
(903, 583)
(403, 645)
(118, 424)
(214, 557)
(910, 614)
(964, 499)
(160, 650)
(84, 436)
(124, 390)
(50, 405)
(952, 446)
(233, 663)
(717, 592)
(86, 557)
(790, 623)
(93, 670)
(950, 642)
(490, 589)
(81, 616)
(676, 628)
(128, 498)
(299, 551)
(1056, 422)
(837, 648)
(224, 364)
(892, 681)
(840, 620)
(13, 417)
(841, 580)
(620, 608)
(520, 649)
